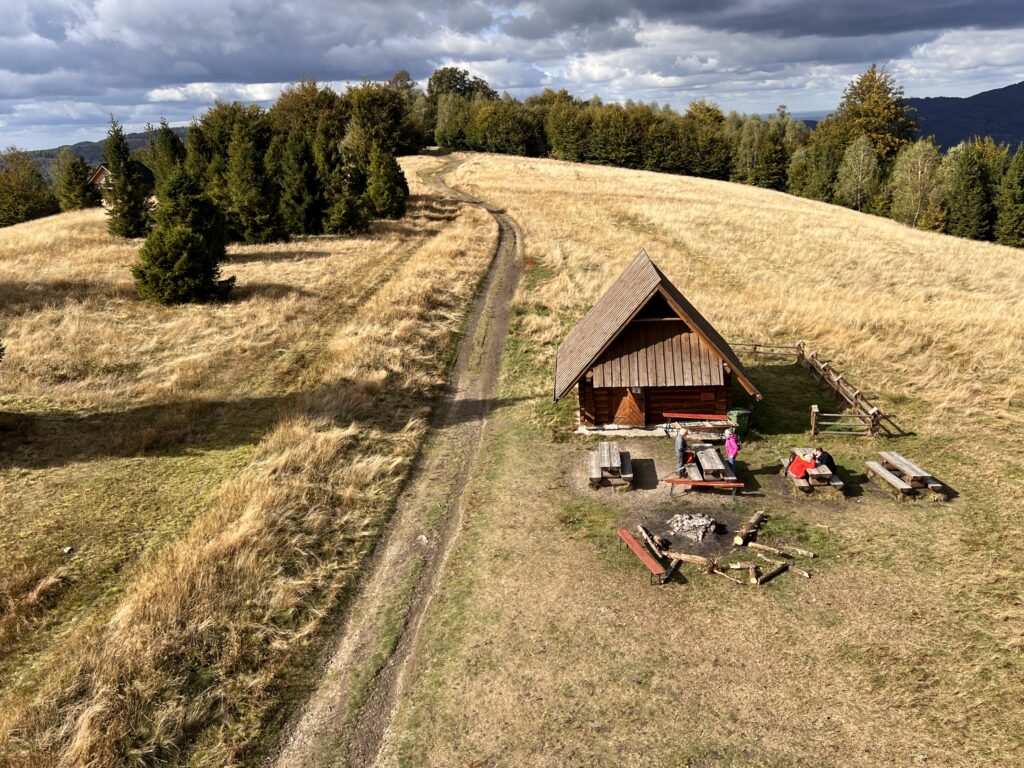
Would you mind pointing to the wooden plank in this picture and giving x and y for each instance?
(684, 343)
(606, 456)
(703, 483)
(907, 468)
(653, 565)
(898, 483)
(693, 472)
(626, 466)
(641, 357)
(698, 416)
(614, 457)
(677, 359)
(595, 467)
(710, 461)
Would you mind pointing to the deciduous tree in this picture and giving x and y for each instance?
(916, 184)
(858, 179)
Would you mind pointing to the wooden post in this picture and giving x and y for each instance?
(814, 420)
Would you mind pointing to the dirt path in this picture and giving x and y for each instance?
(346, 720)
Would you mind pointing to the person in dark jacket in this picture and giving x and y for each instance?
(823, 458)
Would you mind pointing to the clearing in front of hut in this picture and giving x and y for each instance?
(545, 644)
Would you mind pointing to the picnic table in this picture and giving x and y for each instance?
(708, 471)
(902, 474)
(817, 477)
(610, 465)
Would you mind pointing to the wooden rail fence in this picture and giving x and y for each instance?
(862, 418)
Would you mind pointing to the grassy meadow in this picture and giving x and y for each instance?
(220, 471)
(546, 646)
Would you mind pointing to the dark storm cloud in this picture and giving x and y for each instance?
(66, 64)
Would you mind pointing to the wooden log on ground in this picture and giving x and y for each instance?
(793, 568)
(648, 539)
(749, 528)
(764, 548)
(786, 552)
(772, 574)
(720, 572)
(706, 563)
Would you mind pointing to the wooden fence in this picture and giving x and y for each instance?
(862, 418)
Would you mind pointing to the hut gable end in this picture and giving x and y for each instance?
(643, 332)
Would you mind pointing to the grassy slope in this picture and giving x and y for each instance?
(220, 471)
(546, 646)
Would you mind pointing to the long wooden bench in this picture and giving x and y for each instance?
(595, 469)
(877, 470)
(658, 571)
(917, 477)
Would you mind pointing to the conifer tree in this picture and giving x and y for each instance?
(24, 194)
(128, 212)
(348, 215)
(167, 153)
(969, 209)
(769, 170)
(1010, 203)
(301, 202)
(386, 187)
(916, 184)
(71, 176)
(858, 179)
(252, 198)
(180, 260)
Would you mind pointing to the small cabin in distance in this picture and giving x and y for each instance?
(642, 351)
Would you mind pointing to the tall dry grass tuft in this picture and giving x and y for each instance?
(197, 655)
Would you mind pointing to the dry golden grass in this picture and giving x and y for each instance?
(547, 648)
(221, 469)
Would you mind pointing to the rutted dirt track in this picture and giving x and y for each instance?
(348, 717)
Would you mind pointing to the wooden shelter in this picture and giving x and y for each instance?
(100, 177)
(642, 351)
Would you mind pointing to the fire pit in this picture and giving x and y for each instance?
(692, 527)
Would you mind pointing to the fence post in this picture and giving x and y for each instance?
(814, 420)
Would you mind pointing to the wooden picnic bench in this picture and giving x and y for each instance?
(659, 574)
(818, 478)
(709, 471)
(902, 474)
(608, 464)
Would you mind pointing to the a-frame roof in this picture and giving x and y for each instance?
(616, 308)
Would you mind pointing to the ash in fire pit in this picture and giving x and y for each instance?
(692, 527)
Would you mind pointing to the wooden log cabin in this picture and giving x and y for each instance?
(644, 350)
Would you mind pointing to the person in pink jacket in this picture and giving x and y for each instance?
(732, 449)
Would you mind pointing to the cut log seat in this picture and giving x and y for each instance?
(877, 470)
(595, 468)
(657, 569)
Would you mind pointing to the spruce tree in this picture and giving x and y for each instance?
(180, 260)
(71, 176)
(1010, 203)
(301, 202)
(167, 154)
(252, 197)
(128, 211)
(386, 187)
(348, 215)
(969, 209)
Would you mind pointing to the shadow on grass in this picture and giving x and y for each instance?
(257, 257)
(244, 291)
(789, 392)
(18, 297)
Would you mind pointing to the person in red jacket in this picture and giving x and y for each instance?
(799, 465)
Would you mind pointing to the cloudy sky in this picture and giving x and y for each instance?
(65, 65)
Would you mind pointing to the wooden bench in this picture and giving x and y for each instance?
(685, 481)
(611, 459)
(693, 472)
(596, 474)
(658, 572)
(801, 483)
(877, 470)
(626, 468)
(917, 477)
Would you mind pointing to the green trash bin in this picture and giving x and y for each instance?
(741, 416)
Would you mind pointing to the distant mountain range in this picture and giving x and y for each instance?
(998, 113)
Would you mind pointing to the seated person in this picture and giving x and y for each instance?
(799, 465)
(823, 458)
